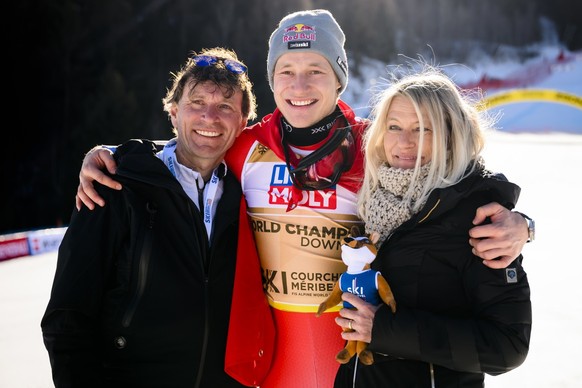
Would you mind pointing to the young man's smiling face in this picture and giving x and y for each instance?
(305, 88)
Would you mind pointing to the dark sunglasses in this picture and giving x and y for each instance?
(324, 167)
(210, 60)
(359, 242)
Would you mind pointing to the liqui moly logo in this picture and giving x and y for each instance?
(299, 32)
(281, 186)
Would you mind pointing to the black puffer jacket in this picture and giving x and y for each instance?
(140, 298)
(456, 318)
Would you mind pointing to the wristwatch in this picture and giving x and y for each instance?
(531, 228)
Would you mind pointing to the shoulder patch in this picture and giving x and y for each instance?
(510, 275)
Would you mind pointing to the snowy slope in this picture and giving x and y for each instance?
(543, 165)
(549, 70)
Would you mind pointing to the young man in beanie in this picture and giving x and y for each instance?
(300, 169)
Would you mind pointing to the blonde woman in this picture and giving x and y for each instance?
(424, 178)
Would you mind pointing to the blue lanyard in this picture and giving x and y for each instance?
(168, 155)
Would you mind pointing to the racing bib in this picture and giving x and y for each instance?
(299, 250)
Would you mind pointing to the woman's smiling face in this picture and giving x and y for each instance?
(403, 134)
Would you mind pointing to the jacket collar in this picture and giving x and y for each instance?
(268, 133)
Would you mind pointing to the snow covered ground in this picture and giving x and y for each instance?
(25, 285)
(546, 168)
(543, 158)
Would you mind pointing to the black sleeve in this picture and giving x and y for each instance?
(71, 321)
(492, 334)
(494, 340)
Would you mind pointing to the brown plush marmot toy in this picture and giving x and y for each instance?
(359, 279)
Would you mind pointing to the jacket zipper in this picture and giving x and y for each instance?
(204, 260)
(144, 261)
(205, 338)
(355, 372)
(142, 277)
(432, 381)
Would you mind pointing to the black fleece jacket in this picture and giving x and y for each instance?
(140, 298)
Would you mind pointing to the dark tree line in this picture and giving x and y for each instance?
(86, 72)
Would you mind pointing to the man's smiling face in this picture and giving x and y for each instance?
(305, 88)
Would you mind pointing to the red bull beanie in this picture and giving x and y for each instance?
(316, 31)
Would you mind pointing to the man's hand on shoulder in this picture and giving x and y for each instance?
(501, 241)
(96, 160)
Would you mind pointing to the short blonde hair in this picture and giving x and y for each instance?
(456, 122)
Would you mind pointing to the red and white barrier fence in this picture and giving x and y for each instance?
(30, 243)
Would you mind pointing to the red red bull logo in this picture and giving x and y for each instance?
(299, 28)
(299, 32)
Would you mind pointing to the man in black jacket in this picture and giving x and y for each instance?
(143, 286)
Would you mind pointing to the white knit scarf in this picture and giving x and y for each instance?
(385, 211)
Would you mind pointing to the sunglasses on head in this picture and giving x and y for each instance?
(210, 60)
(324, 167)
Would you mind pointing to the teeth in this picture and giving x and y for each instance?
(301, 103)
(207, 133)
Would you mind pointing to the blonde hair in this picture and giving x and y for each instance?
(456, 123)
